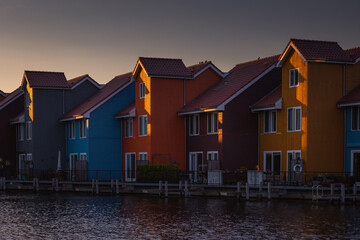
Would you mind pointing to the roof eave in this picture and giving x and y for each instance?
(213, 68)
(349, 104)
(276, 106)
(13, 99)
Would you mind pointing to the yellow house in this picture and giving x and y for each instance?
(301, 129)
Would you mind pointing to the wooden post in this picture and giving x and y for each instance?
(166, 189)
(37, 185)
(238, 190)
(34, 184)
(97, 186)
(112, 185)
(332, 189)
(53, 183)
(269, 191)
(160, 188)
(247, 192)
(342, 193)
(354, 189)
(117, 186)
(56, 184)
(180, 188)
(93, 185)
(186, 192)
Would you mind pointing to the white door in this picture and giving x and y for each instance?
(195, 158)
(130, 167)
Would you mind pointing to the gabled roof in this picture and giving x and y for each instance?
(11, 97)
(238, 80)
(354, 53)
(271, 101)
(197, 69)
(163, 68)
(96, 100)
(39, 79)
(74, 82)
(128, 111)
(312, 50)
(350, 99)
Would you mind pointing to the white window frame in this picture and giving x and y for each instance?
(143, 125)
(293, 152)
(293, 127)
(271, 130)
(194, 125)
(28, 130)
(29, 157)
(272, 161)
(83, 128)
(296, 73)
(212, 123)
(357, 128)
(129, 178)
(212, 154)
(142, 90)
(82, 158)
(72, 130)
(129, 127)
(141, 154)
(352, 161)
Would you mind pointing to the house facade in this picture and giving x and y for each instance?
(94, 136)
(221, 131)
(162, 86)
(301, 129)
(47, 96)
(10, 107)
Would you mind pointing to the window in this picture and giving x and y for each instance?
(72, 130)
(128, 127)
(355, 118)
(143, 156)
(142, 89)
(28, 130)
(143, 125)
(294, 119)
(212, 122)
(270, 121)
(194, 124)
(212, 156)
(29, 157)
(83, 128)
(20, 132)
(272, 162)
(83, 157)
(294, 77)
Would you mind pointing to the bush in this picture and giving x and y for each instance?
(156, 173)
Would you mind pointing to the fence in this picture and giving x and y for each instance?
(196, 177)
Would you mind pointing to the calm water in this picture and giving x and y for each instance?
(55, 216)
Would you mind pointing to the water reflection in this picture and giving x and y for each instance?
(59, 216)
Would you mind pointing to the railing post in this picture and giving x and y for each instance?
(1, 183)
(37, 185)
(269, 191)
(260, 187)
(186, 192)
(354, 189)
(34, 184)
(343, 193)
(332, 189)
(166, 189)
(97, 186)
(56, 184)
(160, 188)
(247, 192)
(112, 185)
(53, 183)
(93, 185)
(180, 187)
(238, 190)
(117, 186)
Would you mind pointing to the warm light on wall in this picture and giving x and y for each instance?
(31, 105)
(220, 135)
(220, 117)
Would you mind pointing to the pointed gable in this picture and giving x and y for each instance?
(39, 79)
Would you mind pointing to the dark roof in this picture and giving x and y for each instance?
(269, 100)
(354, 53)
(165, 67)
(2, 93)
(194, 69)
(352, 97)
(321, 50)
(46, 79)
(10, 97)
(238, 77)
(115, 84)
(75, 80)
(126, 111)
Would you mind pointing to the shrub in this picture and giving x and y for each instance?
(155, 173)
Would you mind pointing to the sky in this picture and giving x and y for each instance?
(105, 38)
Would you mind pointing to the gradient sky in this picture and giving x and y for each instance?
(105, 38)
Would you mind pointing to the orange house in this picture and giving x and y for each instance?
(152, 131)
(301, 128)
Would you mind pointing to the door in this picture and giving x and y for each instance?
(294, 161)
(22, 167)
(130, 167)
(72, 166)
(356, 165)
(194, 162)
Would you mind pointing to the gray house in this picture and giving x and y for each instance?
(40, 135)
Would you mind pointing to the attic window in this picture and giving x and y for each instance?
(294, 77)
(142, 90)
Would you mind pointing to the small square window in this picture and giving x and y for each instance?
(142, 90)
(143, 125)
(294, 77)
(194, 124)
(83, 126)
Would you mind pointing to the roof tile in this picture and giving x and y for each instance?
(10, 97)
(46, 79)
(269, 100)
(165, 67)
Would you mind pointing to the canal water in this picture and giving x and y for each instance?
(66, 216)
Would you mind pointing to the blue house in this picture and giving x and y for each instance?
(351, 105)
(93, 135)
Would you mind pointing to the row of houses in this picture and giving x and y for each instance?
(294, 112)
